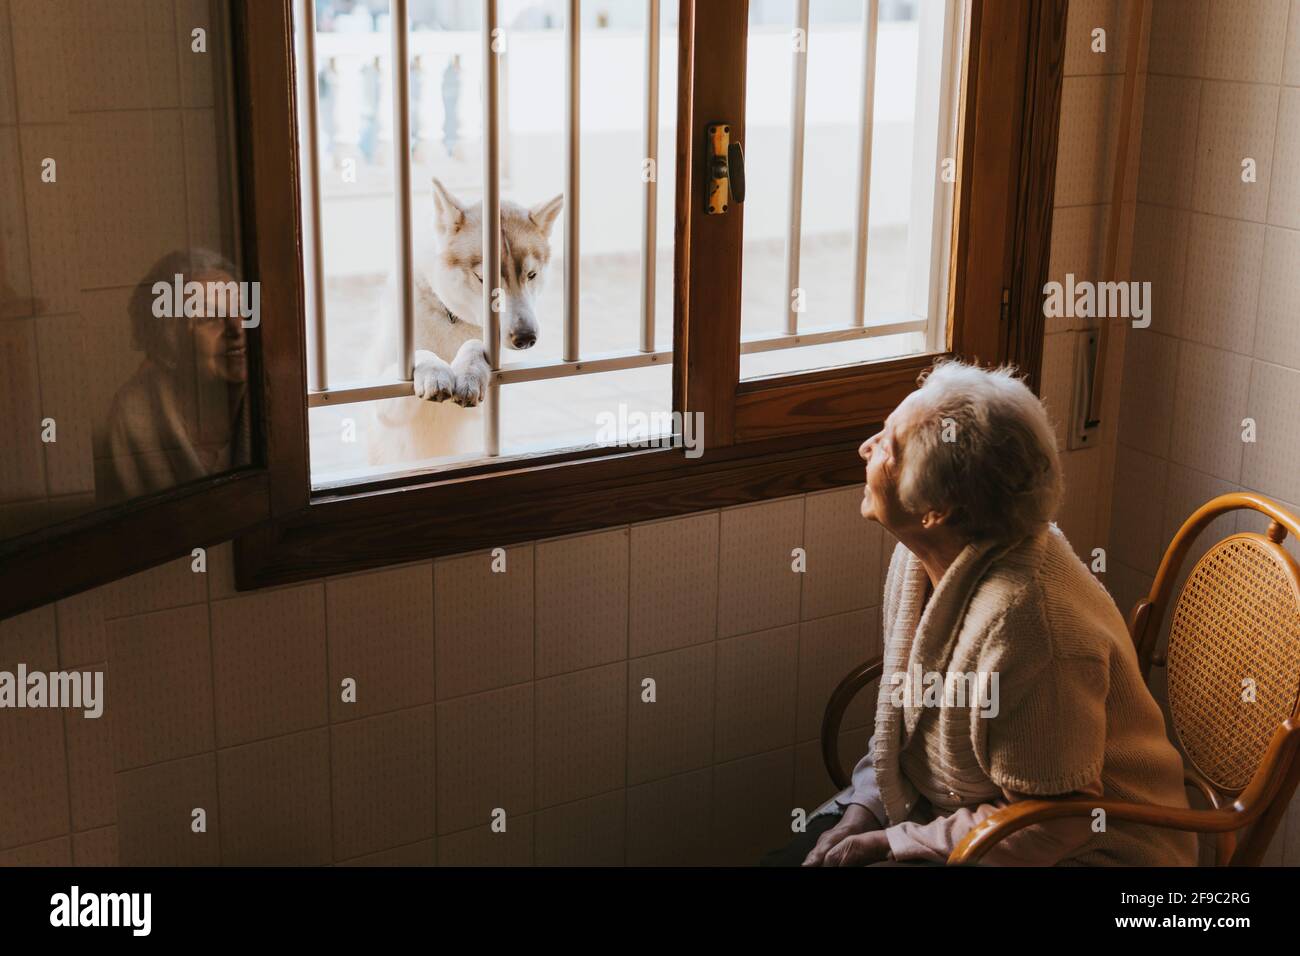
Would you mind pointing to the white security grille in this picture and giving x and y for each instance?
(926, 315)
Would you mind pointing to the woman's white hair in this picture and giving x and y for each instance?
(980, 443)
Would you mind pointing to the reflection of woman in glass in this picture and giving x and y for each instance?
(184, 413)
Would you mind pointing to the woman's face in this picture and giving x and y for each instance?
(882, 453)
(220, 345)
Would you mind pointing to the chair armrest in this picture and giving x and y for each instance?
(1268, 783)
(858, 678)
(1024, 813)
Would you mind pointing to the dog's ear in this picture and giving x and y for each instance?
(449, 214)
(543, 214)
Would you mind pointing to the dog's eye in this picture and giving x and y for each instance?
(532, 275)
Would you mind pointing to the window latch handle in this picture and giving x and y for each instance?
(726, 169)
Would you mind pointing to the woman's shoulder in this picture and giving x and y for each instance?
(1040, 587)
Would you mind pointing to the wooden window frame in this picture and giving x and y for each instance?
(763, 439)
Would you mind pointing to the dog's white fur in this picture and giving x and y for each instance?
(451, 373)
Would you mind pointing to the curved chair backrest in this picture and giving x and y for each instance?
(1233, 655)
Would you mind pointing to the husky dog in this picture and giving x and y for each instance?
(450, 362)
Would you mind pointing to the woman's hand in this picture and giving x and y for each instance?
(857, 819)
(861, 849)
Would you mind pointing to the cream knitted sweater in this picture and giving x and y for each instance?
(1069, 711)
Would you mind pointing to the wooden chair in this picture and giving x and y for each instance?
(1235, 619)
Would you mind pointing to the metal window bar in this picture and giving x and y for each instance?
(649, 239)
(572, 130)
(798, 111)
(870, 30)
(309, 91)
(491, 226)
(401, 74)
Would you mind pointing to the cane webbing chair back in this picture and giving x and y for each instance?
(1234, 656)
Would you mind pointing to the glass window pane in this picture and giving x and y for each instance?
(812, 288)
(119, 253)
(359, 240)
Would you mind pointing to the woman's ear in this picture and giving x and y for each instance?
(934, 518)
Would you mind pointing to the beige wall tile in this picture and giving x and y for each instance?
(33, 768)
(756, 693)
(1284, 190)
(172, 584)
(1277, 331)
(581, 734)
(1291, 58)
(483, 621)
(275, 801)
(129, 183)
(49, 853)
(1078, 244)
(843, 548)
(380, 630)
(1237, 122)
(69, 461)
(39, 39)
(1160, 257)
(582, 601)
(1085, 159)
(160, 685)
(1178, 36)
(1272, 462)
(1135, 528)
(482, 846)
(423, 853)
(15, 264)
(1245, 40)
(8, 103)
(673, 733)
(668, 821)
(155, 808)
(53, 216)
(1085, 16)
(268, 656)
(752, 805)
(91, 787)
(29, 638)
(383, 781)
(1186, 490)
(756, 586)
(1150, 370)
(1078, 506)
(587, 832)
(485, 759)
(1209, 405)
(22, 468)
(95, 847)
(1172, 108)
(813, 785)
(828, 650)
(1222, 292)
(1057, 379)
(674, 583)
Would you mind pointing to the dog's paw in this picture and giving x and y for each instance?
(434, 380)
(472, 374)
(471, 385)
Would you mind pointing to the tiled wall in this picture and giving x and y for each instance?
(476, 690)
(1223, 257)
(1091, 101)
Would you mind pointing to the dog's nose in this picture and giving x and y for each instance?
(523, 340)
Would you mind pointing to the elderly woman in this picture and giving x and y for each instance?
(983, 587)
(184, 413)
